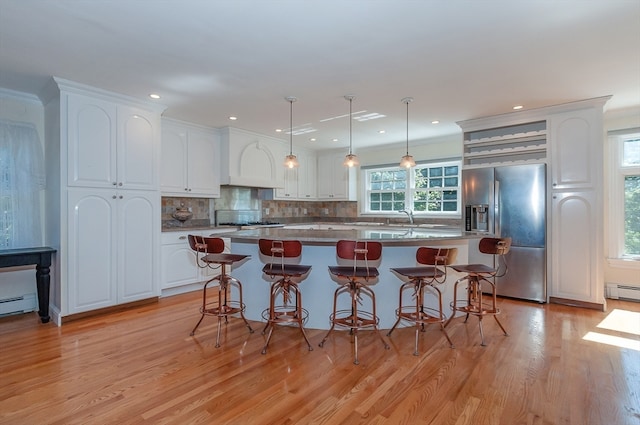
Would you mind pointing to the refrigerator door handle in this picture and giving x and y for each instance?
(496, 211)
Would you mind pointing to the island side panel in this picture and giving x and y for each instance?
(318, 288)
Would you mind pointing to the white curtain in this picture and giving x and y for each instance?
(22, 178)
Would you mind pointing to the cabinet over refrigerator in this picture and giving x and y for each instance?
(510, 201)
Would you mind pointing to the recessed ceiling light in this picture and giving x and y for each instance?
(334, 140)
(518, 107)
(382, 131)
(278, 130)
(435, 122)
(313, 139)
(154, 96)
(232, 118)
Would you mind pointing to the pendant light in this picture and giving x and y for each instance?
(290, 161)
(407, 160)
(350, 160)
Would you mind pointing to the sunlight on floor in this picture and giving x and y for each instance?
(623, 321)
(613, 340)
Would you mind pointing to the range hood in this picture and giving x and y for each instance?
(251, 159)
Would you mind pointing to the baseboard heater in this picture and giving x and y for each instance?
(616, 291)
(17, 305)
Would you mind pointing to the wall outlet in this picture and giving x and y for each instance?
(266, 211)
(304, 211)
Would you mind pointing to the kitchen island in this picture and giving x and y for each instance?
(399, 248)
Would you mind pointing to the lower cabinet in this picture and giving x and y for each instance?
(179, 267)
(576, 272)
(113, 239)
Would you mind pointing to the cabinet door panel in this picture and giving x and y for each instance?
(173, 173)
(91, 250)
(574, 153)
(91, 154)
(203, 164)
(137, 149)
(136, 244)
(573, 245)
(178, 266)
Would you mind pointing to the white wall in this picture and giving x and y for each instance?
(617, 120)
(433, 149)
(22, 107)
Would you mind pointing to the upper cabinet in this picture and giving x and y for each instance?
(190, 160)
(299, 183)
(577, 154)
(335, 181)
(111, 144)
(251, 159)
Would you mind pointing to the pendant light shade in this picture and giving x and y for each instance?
(407, 160)
(350, 160)
(290, 161)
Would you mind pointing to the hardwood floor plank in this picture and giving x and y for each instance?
(140, 366)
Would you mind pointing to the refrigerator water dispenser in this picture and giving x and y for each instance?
(477, 218)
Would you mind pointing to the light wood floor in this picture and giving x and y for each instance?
(142, 367)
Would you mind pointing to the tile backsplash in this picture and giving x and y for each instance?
(202, 209)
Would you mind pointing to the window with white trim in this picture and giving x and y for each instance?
(624, 210)
(426, 189)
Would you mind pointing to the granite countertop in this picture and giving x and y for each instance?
(386, 235)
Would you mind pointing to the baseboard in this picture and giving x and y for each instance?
(107, 310)
(576, 303)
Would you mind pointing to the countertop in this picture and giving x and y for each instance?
(386, 235)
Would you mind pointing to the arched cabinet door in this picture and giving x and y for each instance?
(574, 275)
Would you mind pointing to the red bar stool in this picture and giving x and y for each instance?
(285, 299)
(476, 275)
(417, 279)
(357, 269)
(209, 253)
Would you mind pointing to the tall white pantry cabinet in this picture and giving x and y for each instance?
(570, 141)
(103, 197)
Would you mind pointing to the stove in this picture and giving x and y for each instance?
(244, 219)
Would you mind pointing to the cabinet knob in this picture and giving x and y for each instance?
(114, 197)
(115, 184)
(120, 184)
(182, 237)
(189, 189)
(121, 196)
(186, 189)
(554, 184)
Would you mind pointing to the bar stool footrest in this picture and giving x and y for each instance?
(427, 316)
(285, 314)
(345, 318)
(232, 307)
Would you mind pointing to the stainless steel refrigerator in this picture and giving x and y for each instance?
(510, 201)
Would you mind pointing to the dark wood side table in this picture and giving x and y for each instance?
(41, 257)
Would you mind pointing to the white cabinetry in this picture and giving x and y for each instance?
(190, 160)
(569, 138)
(103, 197)
(179, 268)
(577, 239)
(251, 159)
(111, 145)
(112, 238)
(299, 183)
(335, 181)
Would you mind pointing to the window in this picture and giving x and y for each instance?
(625, 196)
(432, 188)
(21, 182)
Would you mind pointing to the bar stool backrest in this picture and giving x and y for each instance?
(495, 246)
(499, 247)
(206, 245)
(436, 256)
(359, 250)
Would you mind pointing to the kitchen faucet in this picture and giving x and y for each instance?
(409, 214)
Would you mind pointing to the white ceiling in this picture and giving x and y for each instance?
(210, 59)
